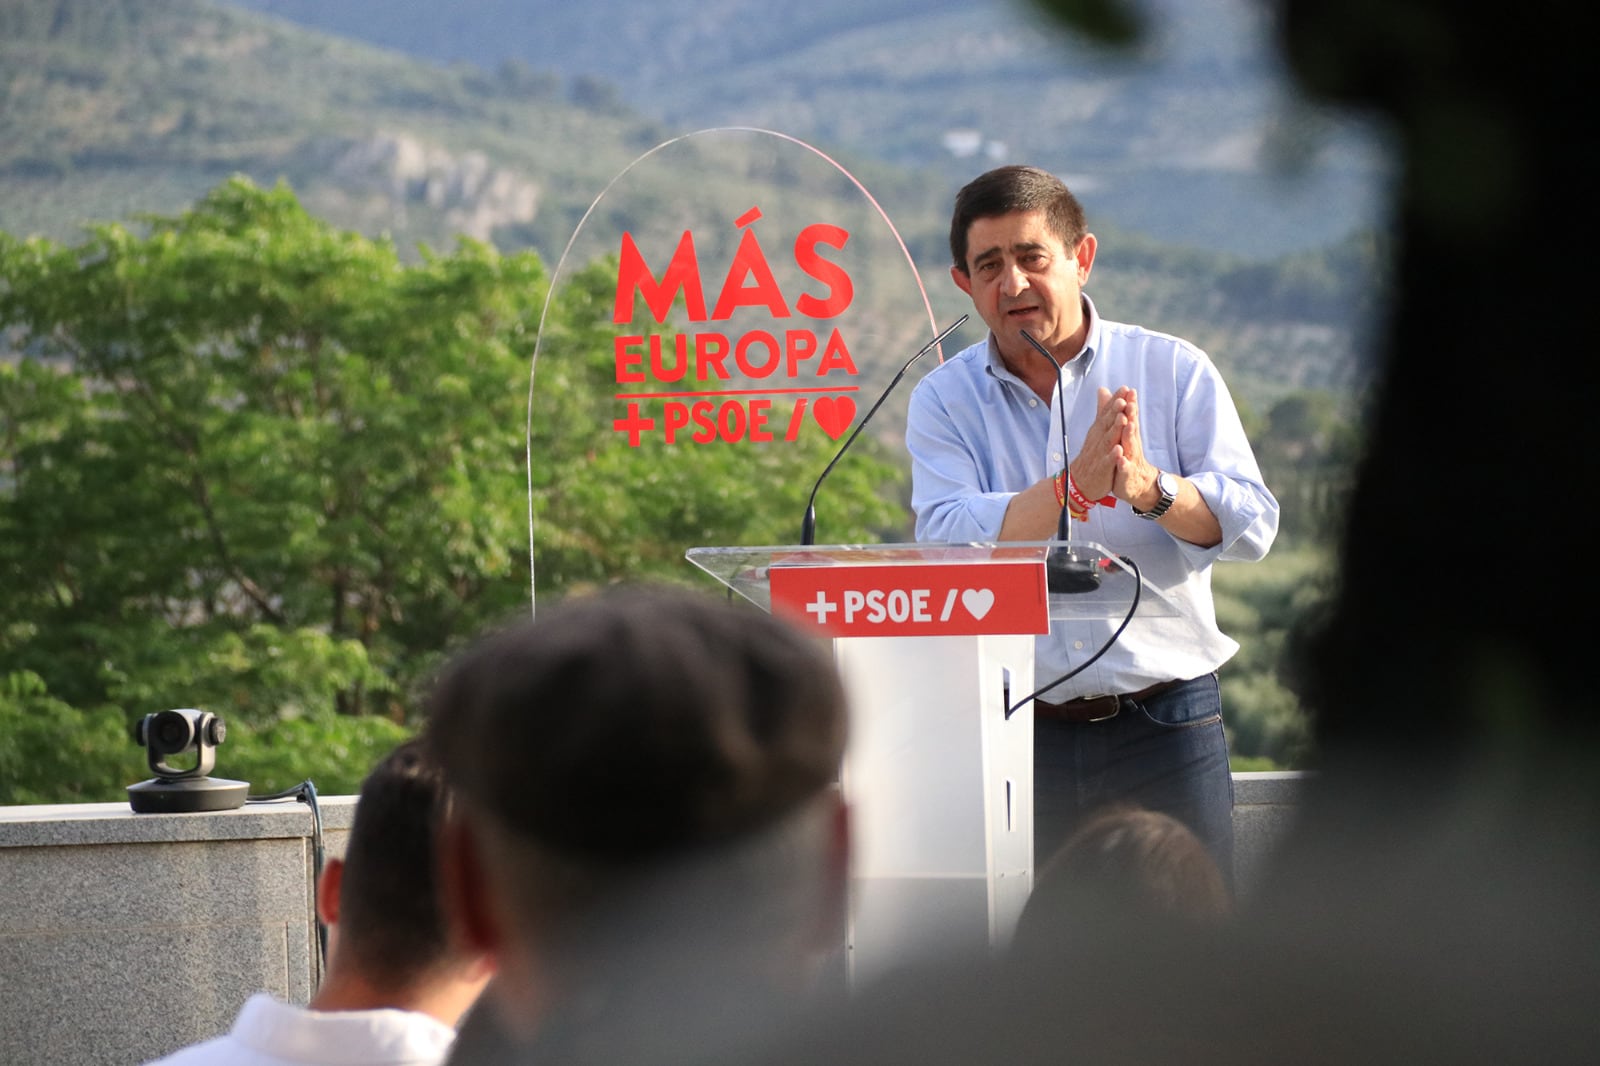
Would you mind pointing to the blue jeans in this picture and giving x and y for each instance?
(1166, 753)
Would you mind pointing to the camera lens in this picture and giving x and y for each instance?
(171, 732)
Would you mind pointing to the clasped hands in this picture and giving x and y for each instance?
(1111, 460)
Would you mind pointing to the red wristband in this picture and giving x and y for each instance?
(1082, 502)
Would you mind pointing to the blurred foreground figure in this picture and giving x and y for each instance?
(1436, 902)
(650, 841)
(395, 986)
(1125, 873)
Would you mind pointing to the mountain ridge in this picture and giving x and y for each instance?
(111, 110)
(1190, 138)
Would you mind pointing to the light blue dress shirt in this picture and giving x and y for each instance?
(978, 435)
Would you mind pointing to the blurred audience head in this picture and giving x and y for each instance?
(647, 781)
(1125, 867)
(389, 940)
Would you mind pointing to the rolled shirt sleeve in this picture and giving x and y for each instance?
(950, 505)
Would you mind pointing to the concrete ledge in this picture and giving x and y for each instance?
(1279, 787)
(1264, 806)
(48, 825)
(125, 936)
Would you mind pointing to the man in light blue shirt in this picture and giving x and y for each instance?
(1161, 472)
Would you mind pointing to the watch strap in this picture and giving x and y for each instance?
(1169, 493)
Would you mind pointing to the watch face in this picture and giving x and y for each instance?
(1167, 485)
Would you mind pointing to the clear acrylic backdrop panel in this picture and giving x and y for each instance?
(730, 305)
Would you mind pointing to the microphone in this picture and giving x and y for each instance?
(808, 526)
(1065, 570)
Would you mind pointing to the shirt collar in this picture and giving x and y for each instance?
(1091, 339)
(1082, 361)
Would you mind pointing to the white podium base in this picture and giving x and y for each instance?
(940, 785)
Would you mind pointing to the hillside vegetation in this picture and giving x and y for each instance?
(113, 108)
(1190, 136)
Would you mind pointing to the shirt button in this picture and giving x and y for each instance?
(1077, 645)
(1055, 457)
(1032, 402)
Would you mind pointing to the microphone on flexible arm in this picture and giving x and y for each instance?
(1065, 570)
(808, 526)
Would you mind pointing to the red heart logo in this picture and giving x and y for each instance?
(834, 415)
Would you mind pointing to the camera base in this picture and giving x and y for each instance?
(187, 795)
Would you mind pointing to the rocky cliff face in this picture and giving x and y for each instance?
(397, 173)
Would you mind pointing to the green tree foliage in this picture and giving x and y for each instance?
(257, 465)
(244, 417)
(1308, 451)
(1265, 607)
(53, 752)
(1343, 281)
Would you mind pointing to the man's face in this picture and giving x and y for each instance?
(1022, 276)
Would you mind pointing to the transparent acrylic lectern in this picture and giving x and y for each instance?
(939, 767)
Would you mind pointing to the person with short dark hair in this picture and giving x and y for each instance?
(396, 983)
(1159, 472)
(650, 840)
(1126, 873)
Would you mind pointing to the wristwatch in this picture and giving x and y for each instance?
(1167, 485)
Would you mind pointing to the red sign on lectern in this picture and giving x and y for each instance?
(907, 600)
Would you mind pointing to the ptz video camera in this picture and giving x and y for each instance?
(174, 789)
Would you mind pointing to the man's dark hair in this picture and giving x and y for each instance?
(1015, 188)
(390, 920)
(639, 724)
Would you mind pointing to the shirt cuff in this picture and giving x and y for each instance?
(975, 518)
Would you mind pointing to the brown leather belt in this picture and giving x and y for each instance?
(1095, 708)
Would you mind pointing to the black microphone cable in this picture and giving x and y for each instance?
(306, 792)
(1138, 582)
(1064, 571)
